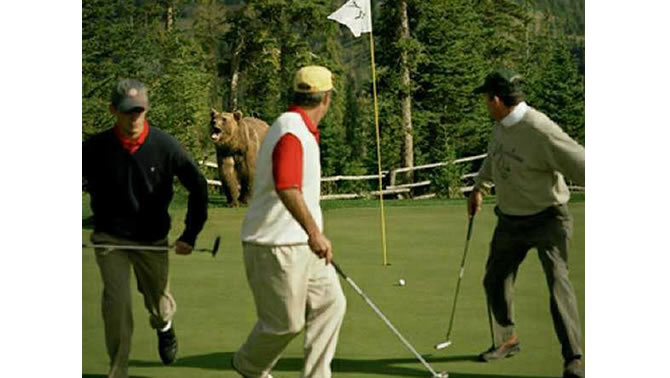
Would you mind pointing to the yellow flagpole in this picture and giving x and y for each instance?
(379, 158)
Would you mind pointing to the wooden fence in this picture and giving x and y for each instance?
(392, 187)
(407, 190)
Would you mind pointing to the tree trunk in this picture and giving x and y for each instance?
(169, 16)
(235, 75)
(406, 98)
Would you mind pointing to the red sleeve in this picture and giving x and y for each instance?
(287, 163)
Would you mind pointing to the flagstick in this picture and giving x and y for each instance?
(379, 159)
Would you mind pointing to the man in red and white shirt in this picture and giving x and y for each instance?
(286, 255)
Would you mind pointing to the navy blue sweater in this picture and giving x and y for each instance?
(130, 193)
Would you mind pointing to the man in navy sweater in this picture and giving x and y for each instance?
(129, 172)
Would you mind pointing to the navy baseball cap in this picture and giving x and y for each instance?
(501, 82)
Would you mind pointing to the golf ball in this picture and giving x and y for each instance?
(401, 282)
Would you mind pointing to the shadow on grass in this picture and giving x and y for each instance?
(222, 361)
(105, 376)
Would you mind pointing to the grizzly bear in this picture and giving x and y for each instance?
(237, 141)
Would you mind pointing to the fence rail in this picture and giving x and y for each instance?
(391, 189)
(352, 178)
(208, 164)
(399, 190)
(395, 172)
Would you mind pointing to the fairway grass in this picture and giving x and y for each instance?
(215, 309)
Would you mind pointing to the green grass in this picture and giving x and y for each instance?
(425, 246)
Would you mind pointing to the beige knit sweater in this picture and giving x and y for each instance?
(527, 161)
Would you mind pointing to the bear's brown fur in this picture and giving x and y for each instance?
(237, 141)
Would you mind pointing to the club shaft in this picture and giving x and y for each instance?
(138, 247)
(453, 310)
(381, 315)
(460, 277)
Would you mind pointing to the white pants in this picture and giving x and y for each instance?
(293, 289)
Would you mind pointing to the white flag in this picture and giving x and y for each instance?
(356, 15)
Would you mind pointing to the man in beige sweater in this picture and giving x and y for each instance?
(528, 156)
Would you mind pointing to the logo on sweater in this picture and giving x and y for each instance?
(502, 160)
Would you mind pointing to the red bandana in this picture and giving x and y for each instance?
(132, 145)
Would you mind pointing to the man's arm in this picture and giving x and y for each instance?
(484, 177)
(85, 161)
(287, 174)
(566, 156)
(196, 214)
(482, 180)
(88, 163)
(295, 203)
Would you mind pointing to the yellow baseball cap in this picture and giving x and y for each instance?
(313, 79)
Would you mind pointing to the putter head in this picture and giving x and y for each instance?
(215, 248)
(442, 374)
(443, 345)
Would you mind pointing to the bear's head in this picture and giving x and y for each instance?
(224, 126)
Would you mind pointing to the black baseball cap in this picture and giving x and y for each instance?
(130, 94)
(501, 82)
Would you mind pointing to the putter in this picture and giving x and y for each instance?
(388, 323)
(446, 343)
(214, 250)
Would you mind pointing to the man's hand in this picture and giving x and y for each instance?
(320, 245)
(475, 202)
(183, 248)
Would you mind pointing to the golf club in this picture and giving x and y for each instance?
(214, 250)
(388, 323)
(458, 286)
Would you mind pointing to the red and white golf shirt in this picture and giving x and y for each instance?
(282, 163)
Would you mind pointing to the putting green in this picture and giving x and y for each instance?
(425, 246)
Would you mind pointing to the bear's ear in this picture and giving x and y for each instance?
(213, 113)
(237, 115)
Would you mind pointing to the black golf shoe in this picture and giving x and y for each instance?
(504, 351)
(574, 369)
(167, 345)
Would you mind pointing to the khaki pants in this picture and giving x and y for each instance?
(293, 289)
(151, 272)
(550, 233)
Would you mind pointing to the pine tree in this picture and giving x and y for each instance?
(553, 83)
(455, 63)
(130, 40)
(236, 54)
(505, 31)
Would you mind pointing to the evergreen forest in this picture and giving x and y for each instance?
(241, 55)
